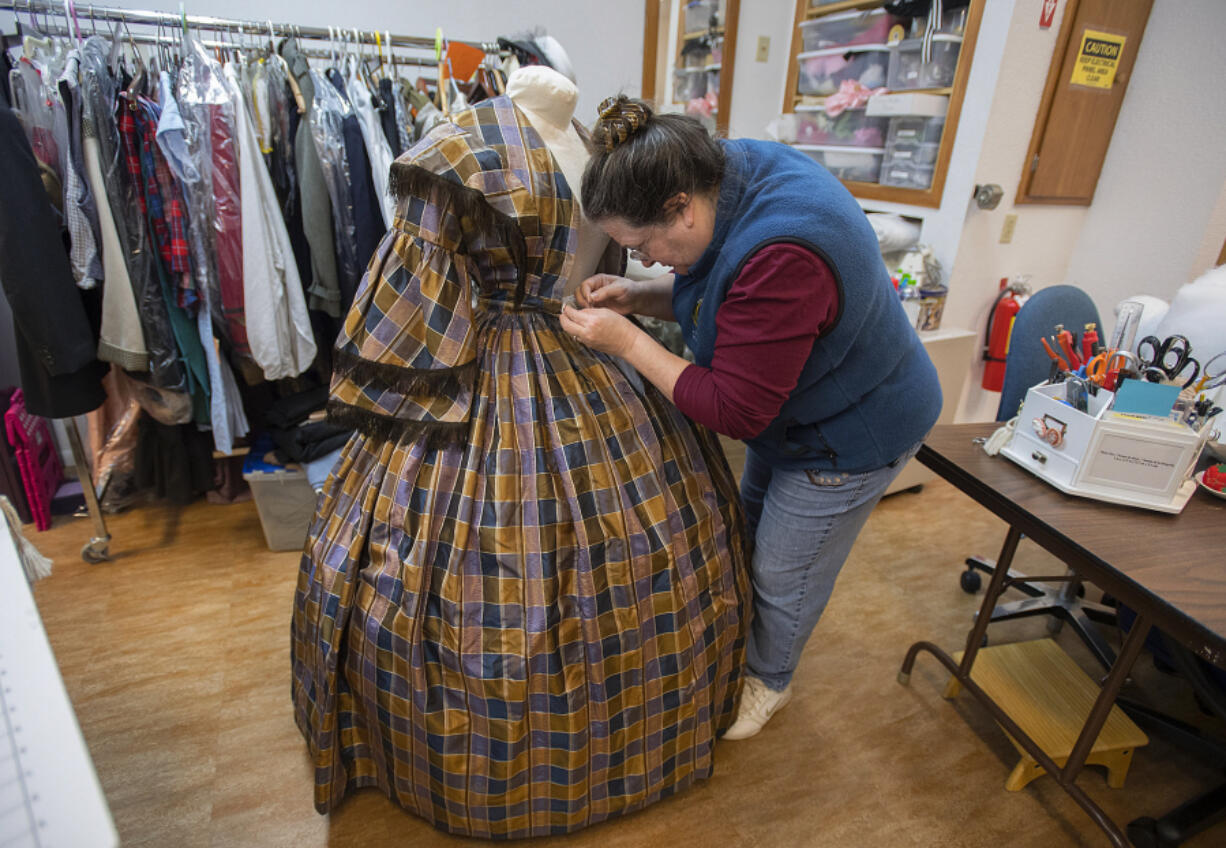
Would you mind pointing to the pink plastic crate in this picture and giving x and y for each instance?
(41, 470)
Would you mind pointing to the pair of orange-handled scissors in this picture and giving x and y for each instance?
(1104, 369)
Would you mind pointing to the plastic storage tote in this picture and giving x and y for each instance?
(907, 71)
(701, 15)
(822, 71)
(689, 84)
(846, 28)
(852, 127)
(859, 164)
(906, 173)
(284, 499)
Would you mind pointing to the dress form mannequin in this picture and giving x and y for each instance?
(548, 100)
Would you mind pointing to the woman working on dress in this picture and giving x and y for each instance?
(801, 349)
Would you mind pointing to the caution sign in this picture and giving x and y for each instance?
(1097, 59)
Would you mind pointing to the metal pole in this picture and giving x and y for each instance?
(97, 548)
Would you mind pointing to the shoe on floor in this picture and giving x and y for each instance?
(758, 703)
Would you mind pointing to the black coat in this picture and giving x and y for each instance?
(56, 345)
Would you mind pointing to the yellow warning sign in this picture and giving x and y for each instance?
(1097, 59)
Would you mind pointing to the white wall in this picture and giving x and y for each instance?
(1166, 168)
(1159, 213)
(604, 40)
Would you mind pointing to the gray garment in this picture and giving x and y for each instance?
(324, 290)
(79, 211)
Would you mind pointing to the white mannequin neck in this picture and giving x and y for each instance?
(547, 97)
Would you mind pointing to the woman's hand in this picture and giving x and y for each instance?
(609, 291)
(600, 328)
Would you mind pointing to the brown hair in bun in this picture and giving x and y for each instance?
(643, 159)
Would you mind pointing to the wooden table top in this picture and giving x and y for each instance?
(1173, 566)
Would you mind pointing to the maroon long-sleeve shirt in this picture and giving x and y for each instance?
(783, 299)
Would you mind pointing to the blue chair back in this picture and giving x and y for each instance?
(1027, 364)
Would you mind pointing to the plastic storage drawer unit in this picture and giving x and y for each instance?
(905, 173)
(847, 28)
(284, 499)
(908, 70)
(858, 164)
(822, 71)
(852, 127)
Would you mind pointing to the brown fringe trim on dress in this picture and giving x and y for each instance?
(436, 434)
(448, 382)
(471, 207)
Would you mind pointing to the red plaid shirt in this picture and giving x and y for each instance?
(159, 198)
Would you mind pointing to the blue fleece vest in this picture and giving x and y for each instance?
(868, 391)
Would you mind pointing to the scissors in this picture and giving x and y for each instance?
(1167, 358)
(1210, 380)
(1104, 369)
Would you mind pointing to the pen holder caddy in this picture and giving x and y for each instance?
(1132, 460)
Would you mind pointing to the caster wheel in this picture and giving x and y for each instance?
(1143, 833)
(984, 642)
(93, 552)
(971, 581)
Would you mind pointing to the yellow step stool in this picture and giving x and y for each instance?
(1040, 687)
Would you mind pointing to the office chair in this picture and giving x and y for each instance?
(1208, 684)
(1026, 365)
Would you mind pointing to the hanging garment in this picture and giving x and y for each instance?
(367, 213)
(60, 373)
(324, 289)
(278, 328)
(190, 167)
(121, 190)
(522, 604)
(122, 338)
(404, 116)
(377, 148)
(387, 117)
(80, 214)
(162, 204)
(328, 132)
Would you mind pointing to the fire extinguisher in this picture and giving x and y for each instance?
(1000, 326)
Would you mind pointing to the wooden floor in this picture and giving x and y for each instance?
(176, 657)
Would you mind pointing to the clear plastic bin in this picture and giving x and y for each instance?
(906, 174)
(689, 84)
(852, 128)
(822, 71)
(285, 501)
(859, 164)
(913, 130)
(713, 81)
(701, 15)
(846, 28)
(906, 71)
(918, 154)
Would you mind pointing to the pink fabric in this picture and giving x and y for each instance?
(37, 459)
(851, 95)
(783, 299)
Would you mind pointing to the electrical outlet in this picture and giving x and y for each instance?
(764, 48)
(1006, 232)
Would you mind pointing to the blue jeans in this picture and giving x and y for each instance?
(804, 524)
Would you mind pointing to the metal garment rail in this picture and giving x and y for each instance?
(79, 14)
(60, 31)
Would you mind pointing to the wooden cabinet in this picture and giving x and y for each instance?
(689, 56)
(1089, 73)
(854, 40)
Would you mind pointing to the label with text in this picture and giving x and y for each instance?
(1097, 59)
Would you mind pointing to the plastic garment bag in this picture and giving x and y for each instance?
(377, 148)
(100, 104)
(208, 110)
(327, 128)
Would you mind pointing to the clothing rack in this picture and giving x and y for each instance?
(79, 16)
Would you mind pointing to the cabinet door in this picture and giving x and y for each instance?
(1089, 74)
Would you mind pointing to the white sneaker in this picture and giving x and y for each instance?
(758, 703)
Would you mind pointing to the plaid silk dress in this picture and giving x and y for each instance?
(523, 601)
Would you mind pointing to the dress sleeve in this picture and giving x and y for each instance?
(406, 361)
